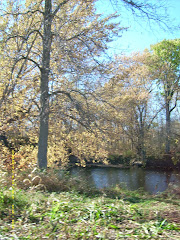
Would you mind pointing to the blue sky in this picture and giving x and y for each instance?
(140, 34)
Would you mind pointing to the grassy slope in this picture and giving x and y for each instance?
(84, 213)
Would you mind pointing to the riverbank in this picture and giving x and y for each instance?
(157, 165)
(67, 209)
(70, 215)
(166, 162)
(88, 165)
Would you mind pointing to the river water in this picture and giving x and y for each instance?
(149, 180)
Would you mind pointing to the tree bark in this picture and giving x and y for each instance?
(141, 139)
(44, 88)
(168, 126)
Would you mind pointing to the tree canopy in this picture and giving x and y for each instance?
(53, 56)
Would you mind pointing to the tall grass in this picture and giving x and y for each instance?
(53, 206)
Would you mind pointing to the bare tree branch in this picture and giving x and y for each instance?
(58, 7)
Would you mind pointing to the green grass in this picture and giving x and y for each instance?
(84, 213)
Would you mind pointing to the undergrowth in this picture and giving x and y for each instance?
(53, 206)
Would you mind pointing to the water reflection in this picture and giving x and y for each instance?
(150, 181)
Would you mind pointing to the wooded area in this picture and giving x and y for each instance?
(65, 102)
(61, 96)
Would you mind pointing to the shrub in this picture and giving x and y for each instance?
(119, 159)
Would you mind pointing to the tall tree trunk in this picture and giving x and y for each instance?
(141, 139)
(168, 126)
(44, 88)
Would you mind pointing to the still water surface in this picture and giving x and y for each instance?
(134, 178)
